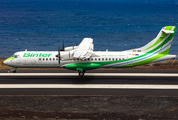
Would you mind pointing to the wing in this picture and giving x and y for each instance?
(83, 49)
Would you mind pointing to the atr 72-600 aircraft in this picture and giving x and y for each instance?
(82, 57)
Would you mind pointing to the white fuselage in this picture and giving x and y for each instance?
(48, 59)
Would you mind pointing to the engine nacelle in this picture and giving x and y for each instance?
(70, 48)
(66, 55)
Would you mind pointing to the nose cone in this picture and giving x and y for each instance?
(6, 62)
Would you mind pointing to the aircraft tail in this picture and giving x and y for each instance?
(162, 42)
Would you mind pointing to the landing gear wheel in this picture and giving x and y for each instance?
(14, 71)
(81, 74)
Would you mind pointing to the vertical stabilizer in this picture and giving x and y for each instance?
(162, 42)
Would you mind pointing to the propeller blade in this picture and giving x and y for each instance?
(58, 52)
(62, 47)
(59, 56)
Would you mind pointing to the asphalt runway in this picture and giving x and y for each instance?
(140, 83)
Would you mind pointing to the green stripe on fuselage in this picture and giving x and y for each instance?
(164, 53)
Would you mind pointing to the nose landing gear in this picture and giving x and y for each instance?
(14, 69)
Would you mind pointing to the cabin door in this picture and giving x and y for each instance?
(129, 60)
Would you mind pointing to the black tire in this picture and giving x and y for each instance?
(81, 74)
(14, 71)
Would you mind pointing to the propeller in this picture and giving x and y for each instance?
(62, 47)
(59, 55)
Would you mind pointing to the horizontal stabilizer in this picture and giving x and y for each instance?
(168, 31)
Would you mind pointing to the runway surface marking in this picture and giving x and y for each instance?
(93, 74)
(90, 86)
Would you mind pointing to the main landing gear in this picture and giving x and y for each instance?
(81, 72)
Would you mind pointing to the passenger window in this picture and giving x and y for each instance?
(88, 58)
(106, 59)
(39, 58)
(56, 58)
(43, 58)
(116, 58)
(96, 59)
(119, 58)
(99, 59)
(46, 58)
(103, 59)
(123, 59)
(113, 59)
(109, 58)
(91, 58)
(50, 59)
(78, 59)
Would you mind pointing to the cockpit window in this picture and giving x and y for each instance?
(14, 55)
